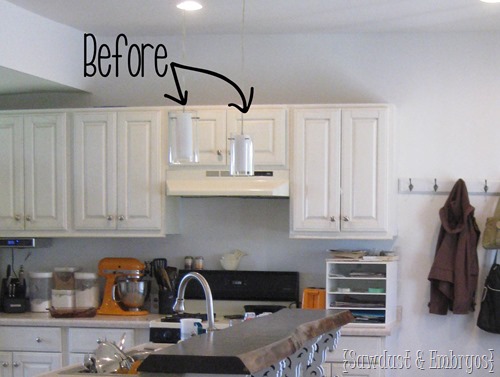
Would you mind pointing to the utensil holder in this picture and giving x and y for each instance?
(166, 301)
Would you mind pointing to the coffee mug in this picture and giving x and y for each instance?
(190, 327)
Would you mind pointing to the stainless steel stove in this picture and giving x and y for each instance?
(231, 291)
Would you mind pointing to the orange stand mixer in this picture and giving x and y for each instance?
(124, 278)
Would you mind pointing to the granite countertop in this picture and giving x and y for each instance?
(248, 347)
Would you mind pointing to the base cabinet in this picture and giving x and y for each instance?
(83, 341)
(29, 351)
(337, 370)
(354, 357)
(31, 364)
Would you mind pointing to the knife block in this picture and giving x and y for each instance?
(14, 296)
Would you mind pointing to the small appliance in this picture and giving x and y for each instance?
(13, 292)
(125, 289)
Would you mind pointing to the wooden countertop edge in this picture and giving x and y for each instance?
(305, 332)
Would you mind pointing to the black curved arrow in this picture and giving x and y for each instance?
(182, 100)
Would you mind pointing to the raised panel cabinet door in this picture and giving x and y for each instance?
(11, 173)
(94, 174)
(5, 364)
(316, 170)
(212, 140)
(139, 190)
(364, 205)
(268, 129)
(31, 364)
(45, 172)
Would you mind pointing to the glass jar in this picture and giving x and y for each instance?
(40, 291)
(198, 263)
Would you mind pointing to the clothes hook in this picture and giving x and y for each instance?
(435, 185)
(486, 186)
(410, 186)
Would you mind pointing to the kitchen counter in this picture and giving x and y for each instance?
(107, 321)
(142, 322)
(252, 346)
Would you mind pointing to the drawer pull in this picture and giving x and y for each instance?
(5, 364)
(15, 364)
(38, 339)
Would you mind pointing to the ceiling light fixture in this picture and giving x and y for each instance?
(189, 5)
(491, 1)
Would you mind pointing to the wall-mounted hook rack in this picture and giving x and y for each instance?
(437, 186)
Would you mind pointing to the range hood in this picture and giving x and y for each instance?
(219, 183)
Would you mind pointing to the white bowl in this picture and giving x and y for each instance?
(229, 264)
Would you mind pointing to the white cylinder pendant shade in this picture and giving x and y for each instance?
(183, 146)
(241, 149)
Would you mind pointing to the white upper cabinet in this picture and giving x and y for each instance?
(33, 167)
(117, 171)
(342, 185)
(267, 128)
(266, 125)
(212, 139)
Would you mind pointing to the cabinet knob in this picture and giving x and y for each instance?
(219, 152)
(38, 339)
(110, 218)
(346, 218)
(332, 219)
(5, 364)
(121, 217)
(28, 218)
(15, 364)
(18, 217)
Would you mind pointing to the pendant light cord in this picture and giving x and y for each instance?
(183, 78)
(242, 54)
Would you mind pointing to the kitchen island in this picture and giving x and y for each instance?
(291, 342)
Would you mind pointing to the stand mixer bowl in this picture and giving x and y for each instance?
(131, 292)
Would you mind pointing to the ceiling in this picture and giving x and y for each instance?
(161, 17)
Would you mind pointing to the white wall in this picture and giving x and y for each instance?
(36, 46)
(446, 90)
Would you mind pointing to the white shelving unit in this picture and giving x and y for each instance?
(367, 288)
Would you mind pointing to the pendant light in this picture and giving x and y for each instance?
(184, 137)
(183, 130)
(241, 146)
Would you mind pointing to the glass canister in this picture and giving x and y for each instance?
(64, 278)
(40, 291)
(86, 290)
(63, 298)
